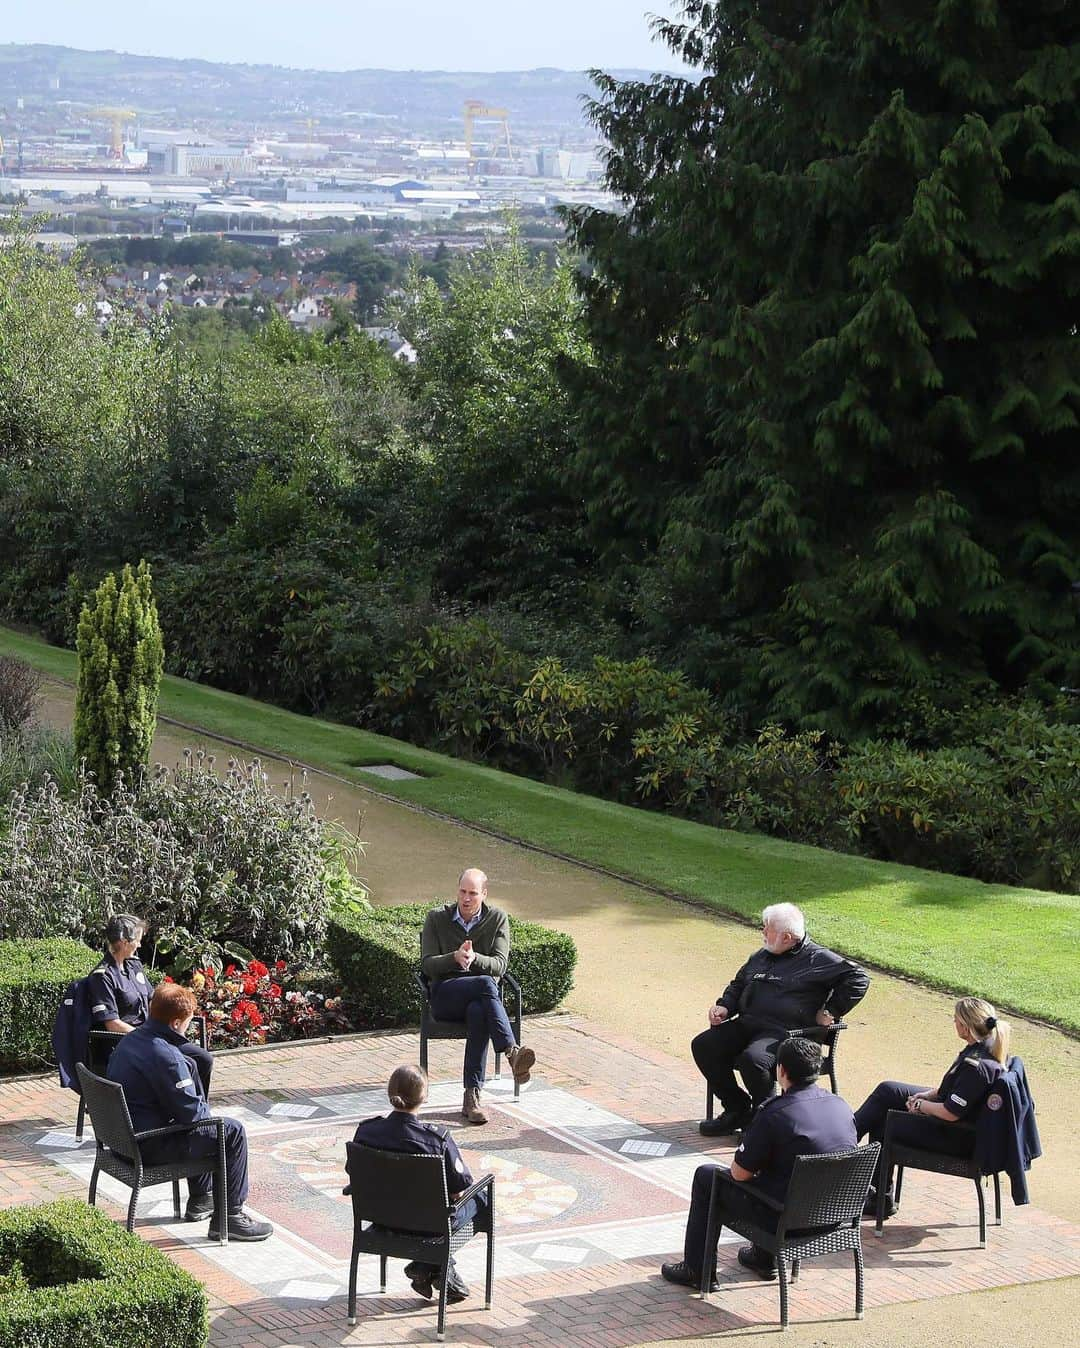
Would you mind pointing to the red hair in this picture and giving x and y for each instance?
(172, 1002)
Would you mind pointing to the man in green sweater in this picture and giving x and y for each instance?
(464, 951)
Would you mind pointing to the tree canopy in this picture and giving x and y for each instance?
(830, 424)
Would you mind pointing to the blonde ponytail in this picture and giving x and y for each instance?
(980, 1019)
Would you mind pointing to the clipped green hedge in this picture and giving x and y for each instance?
(375, 951)
(33, 976)
(70, 1275)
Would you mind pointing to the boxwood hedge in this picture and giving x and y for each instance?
(374, 952)
(70, 1275)
(33, 976)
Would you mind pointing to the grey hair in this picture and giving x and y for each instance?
(785, 917)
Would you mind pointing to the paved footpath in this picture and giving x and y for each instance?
(592, 1165)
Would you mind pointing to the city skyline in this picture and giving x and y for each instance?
(427, 35)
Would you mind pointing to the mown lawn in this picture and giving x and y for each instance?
(1020, 948)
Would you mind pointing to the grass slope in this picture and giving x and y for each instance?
(1017, 947)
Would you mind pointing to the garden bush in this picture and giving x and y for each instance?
(33, 976)
(20, 694)
(69, 1275)
(215, 864)
(376, 951)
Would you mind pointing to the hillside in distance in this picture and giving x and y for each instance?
(59, 84)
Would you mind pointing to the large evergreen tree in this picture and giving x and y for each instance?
(831, 429)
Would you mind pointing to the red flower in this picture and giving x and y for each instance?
(230, 969)
(275, 990)
(208, 973)
(257, 968)
(253, 1015)
(237, 1014)
(249, 984)
(280, 966)
(167, 979)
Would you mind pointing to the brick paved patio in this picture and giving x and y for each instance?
(592, 1165)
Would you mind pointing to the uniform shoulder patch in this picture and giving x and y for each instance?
(994, 1101)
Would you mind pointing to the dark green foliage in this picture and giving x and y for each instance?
(33, 976)
(71, 1276)
(831, 422)
(121, 660)
(376, 951)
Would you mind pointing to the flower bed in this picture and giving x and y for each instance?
(260, 1004)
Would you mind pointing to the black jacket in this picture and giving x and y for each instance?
(1006, 1137)
(787, 991)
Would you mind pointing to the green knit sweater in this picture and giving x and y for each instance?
(442, 936)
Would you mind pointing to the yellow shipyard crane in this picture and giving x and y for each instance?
(478, 111)
(117, 118)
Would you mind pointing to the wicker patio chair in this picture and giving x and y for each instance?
(820, 1215)
(906, 1155)
(100, 1044)
(404, 1199)
(119, 1151)
(430, 1028)
(825, 1035)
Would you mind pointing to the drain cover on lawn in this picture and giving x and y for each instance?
(389, 770)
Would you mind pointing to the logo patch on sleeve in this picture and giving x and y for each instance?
(183, 1085)
(958, 1099)
(100, 1007)
(994, 1102)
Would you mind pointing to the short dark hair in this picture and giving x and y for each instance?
(123, 927)
(800, 1059)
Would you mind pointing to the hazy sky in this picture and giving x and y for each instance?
(347, 34)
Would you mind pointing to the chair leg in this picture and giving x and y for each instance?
(982, 1213)
(440, 1328)
(176, 1199)
(708, 1101)
(489, 1278)
(92, 1196)
(898, 1185)
(997, 1199)
(131, 1208)
(353, 1260)
(781, 1275)
(831, 1068)
(498, 1067)
(80, 1119)
(858, 1281)
(382, 1272)
(423, 1049)
(796, 1268)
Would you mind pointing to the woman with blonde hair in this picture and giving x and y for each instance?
(957, 1099)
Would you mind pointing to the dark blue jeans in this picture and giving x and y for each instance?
(474, 999)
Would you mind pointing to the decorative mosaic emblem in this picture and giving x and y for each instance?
(525, 1196)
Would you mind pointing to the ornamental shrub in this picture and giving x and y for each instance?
(376, 951)
(20, 694)
(121, 658)
(33, 976)
(264, 1004)
(71, 1276)
(216, 864)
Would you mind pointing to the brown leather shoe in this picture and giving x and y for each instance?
(470, 1107)
(521, 1062)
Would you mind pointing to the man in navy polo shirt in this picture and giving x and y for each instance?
(803, 1120)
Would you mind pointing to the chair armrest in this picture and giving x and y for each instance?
(820, 1033)
(422, 986)
(760, 1195)
(894, 1114)
(485, 1182)
(175, 1129)
(198, 1024)
(515, 987)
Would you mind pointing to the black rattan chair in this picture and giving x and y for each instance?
(119, 1151)
(404, 1199)
(820, 1215)
(826, 1035)
(903, 1154)
(430, 1028)
(100, 1044)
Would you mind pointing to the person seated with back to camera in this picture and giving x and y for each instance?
(934, 1110)
(159, 1090)
(119, 991)
(804, 1120)
(403, 1130)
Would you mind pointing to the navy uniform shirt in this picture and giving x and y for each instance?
(119, 992)
(805, 1120)
(401, 1131)
(156, 1078)
(965, 1085)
